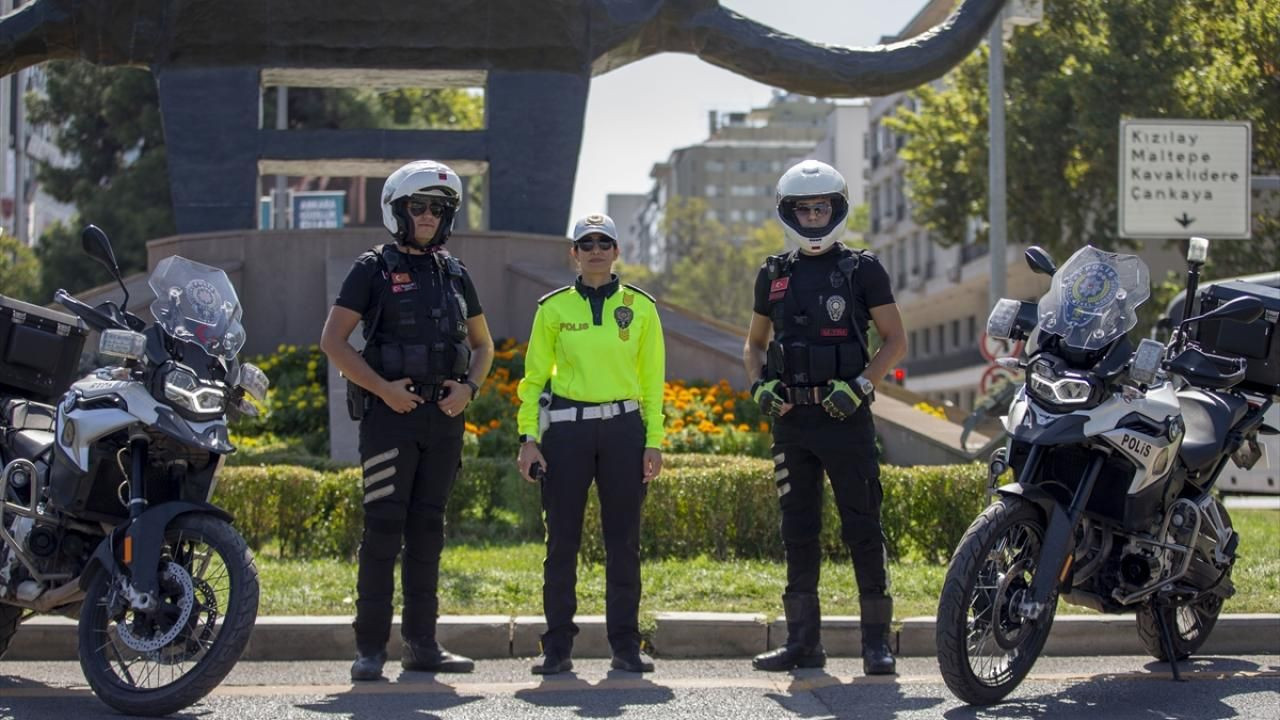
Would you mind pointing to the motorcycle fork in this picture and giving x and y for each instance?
(1055, 551)
(141, 548)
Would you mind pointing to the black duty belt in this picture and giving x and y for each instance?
(805, 394)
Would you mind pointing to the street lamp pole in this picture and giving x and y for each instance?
(996, 207)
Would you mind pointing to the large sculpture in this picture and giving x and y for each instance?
(537, 56)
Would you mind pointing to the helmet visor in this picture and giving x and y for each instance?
(814, 217)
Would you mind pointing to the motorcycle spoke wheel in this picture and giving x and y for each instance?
(160, 661)
(995, 631)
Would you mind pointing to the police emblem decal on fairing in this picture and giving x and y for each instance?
(835, 308)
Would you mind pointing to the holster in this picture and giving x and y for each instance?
(544, 413)
(357, 399)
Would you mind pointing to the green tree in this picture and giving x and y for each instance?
(108, 123)
(19, 270)
(1070, 80)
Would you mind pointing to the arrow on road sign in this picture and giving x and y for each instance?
(1184, 221)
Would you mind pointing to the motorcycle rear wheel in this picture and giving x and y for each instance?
(1189, 625)
(10, 616)
(985, 648)
(159, 663)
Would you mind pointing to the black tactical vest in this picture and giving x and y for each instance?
(417, 327)
(815, 333)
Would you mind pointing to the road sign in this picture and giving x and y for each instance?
(1184, 177)
(992, 348)
(318, 208)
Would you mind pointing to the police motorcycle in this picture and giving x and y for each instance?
(106, 513)
(1115, 452)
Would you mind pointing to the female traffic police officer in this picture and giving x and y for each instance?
(817, 377)
(427, 350)
(599, 343)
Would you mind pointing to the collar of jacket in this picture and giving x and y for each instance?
(602, 292)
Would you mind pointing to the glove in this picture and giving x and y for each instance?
(768, 395)
(841, 400)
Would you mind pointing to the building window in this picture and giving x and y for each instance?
(735, 215)
(742, 190)
(912, 345)
(973, 329)
(942, 338)
(712, 216)
(711, 190)
(752, 215)
(714, 166)
(928, 344)
(955, 333)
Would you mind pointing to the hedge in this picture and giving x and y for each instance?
(713, 505)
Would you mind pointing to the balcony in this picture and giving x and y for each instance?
(954, 360)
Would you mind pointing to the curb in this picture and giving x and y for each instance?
(678, 635)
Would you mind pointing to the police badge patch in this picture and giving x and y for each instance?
(836, 278)
(623, 316)
(835, 307)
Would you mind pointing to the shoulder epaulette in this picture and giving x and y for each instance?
(553, 293)
(629, 286)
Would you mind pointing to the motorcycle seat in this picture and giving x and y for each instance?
(1208, 417)
(30, 443)
(29, 415)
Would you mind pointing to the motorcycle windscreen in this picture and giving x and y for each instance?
(1094, 298)
(197, 303)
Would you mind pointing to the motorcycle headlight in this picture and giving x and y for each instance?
(184, 390)
(1065, 390)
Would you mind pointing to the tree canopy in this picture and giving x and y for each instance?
(1069, 81)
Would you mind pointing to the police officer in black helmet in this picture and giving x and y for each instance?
(817, 377)
(427, 351)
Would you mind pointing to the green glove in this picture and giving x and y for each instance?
(841, 400)
(768, 395)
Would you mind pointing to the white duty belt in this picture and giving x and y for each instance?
(593, 412)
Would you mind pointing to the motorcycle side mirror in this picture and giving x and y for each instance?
(97, 246)
(1039, 261)
(1241, 309)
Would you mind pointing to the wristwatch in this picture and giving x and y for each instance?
(865, 387)
(475, 389)
(525, 438)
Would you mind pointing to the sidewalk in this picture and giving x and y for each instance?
(678, 635)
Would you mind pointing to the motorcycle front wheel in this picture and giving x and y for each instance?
(985, 647)
(159, 662)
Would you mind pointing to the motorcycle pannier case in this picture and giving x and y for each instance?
(1256, 342)
(39, 349)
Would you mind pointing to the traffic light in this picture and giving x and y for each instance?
(899, 375)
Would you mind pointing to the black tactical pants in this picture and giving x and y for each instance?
(410, 462)
(807, 441)
(612, 453)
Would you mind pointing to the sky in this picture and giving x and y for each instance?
(637, 114)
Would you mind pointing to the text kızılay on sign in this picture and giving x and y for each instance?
(1180, 178)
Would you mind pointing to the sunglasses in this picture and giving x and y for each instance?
(589, 244)
(820, 208)
(417, 207)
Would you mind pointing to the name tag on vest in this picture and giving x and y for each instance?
(406, 287)
(835, 332)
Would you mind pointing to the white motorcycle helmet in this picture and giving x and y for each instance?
(425, 180)
(812, 179)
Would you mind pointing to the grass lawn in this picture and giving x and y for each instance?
(507, 580)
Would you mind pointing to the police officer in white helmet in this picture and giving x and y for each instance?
(807, 357)
(427, 349)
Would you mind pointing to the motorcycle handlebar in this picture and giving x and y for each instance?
(91, 316)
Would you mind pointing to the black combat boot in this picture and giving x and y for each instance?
(877, 656)
(428, 656)
(368, 666)
(804, 632)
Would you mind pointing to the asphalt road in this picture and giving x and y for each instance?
(1109, 687)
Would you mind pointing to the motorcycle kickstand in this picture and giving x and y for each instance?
(1167, 640)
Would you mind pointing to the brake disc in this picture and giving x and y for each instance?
(174, 575)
